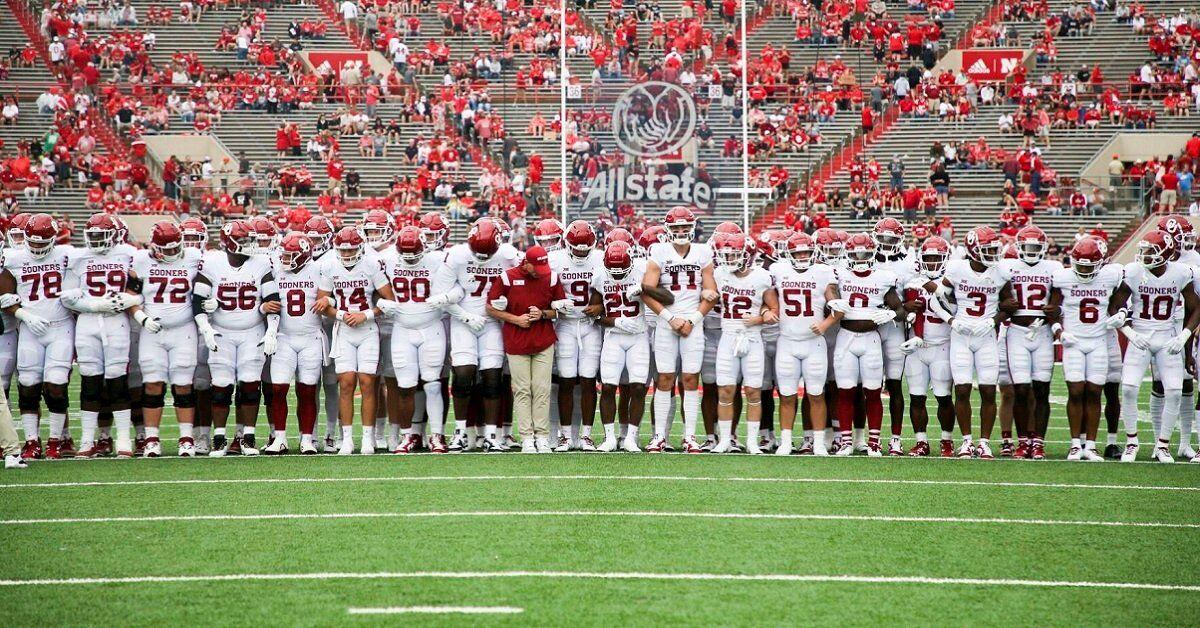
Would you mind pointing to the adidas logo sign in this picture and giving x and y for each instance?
(979, 67)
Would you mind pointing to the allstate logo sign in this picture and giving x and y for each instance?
(653, 119)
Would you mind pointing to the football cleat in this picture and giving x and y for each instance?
(807, 445)
(609, 444)
(818, 447)
(15, 462)
(1006, 449)
(153, 448)
(984, 450)
(895, 447)
(709, 442)
(276, 447)
(722, 447)
(1037, 452)
(845, 448)
(139, 445)
(247, 445)
(753, 448)
(1075, 453)
(1090, 455)
(919, 450)
(32, 450)
(331, 444)
(689, 445)
(657, 445)
(586, 444)
(966, 450)
(529, 447)
(367, 448)
(508, 441)
(564, 445)
(105, 445)
(220, 443)
(1130, 453)
(667, 446)
(630, 445)
(187, 447)
(458, 442)
(768, 443)
(860, 446)
(1112, 452)
(91, 451)
(1196, 459)
(1022, 450)
(53, 452)
(381, 443)
(66, 447)
(947, 448)
(874, 449)
(492, 445)
(307, 447)
(408, 444)
(543, 445)
(1186, 452)
(477, 444)
(1161, 454)
(235, 446)
(347, 447)
(437, 443)
(735, 446)
(203, 447)
(785, 448)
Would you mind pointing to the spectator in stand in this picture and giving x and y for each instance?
(896, 173)
(1168, 198)
(1099, 232)
(940, 180)
(1116, 171)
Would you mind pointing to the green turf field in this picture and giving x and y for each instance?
(601, 539)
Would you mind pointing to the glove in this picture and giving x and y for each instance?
(439, 300)
(9, 300)
(500, 304)
(127, 300)
(1066, 339)
(1135, 338)
(269, 343)
(36, 324)
(474, 322)
(207, 333)
(626, 325)
(150, 324)
(741, 345)
(210, 306)
(839, 305)
(562, 306)
(882, 316)
(634, 291)
(389, 307)
(1177, 344)
(911, 345)
(1113, 322)
(1032, 331)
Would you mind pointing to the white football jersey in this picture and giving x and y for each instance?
(40, 281)
(1031, 284)
(298, 294)
(802, 297)
(475, 277)
(903, 266)
(977, 294)
(1155, 298)
(8, 322)
(1085, 303)
(98, 274)
(612, 294)
(865, 291)
(388, 257)
(353, 289)
(682, 275)
(576, 276)
(239, 290)
(414, 285)
(1191, 259)
(741, 296)
(167, 286)
(927, 325)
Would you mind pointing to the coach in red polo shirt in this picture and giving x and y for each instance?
(526, 300)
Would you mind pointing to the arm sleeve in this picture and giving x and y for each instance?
(269, 287)
(200, 293)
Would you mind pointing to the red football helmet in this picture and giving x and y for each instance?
(801, 251)
(236, 237)
(650, 236)
(319, 230)
(830, 248)
(166, 241)
(435, 231)
(935, 252)
(410, 244)
(680, 222)
(349, 244)
(734, 250)
(860, 252)
(41, 233)
(484, 239)
(122, 229)
(1181, 231)
(1154, 250)
(618, 259)
(100, 233)
(580, 239)
(983, 245)
(295, 250)
(1031, 244)
(378, 228)
(726, 227)
(265, 234)
(772, 243)
(620, 234)
(505, 230)
(195, 233)
(15, 233)
(889, 236)
(549, 234)
(280, 220)
(1088, 257)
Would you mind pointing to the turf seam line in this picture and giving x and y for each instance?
(435, 610)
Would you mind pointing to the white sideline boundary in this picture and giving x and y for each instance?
(605, 514)
(436, 610)
(601, 478)
(717, 577)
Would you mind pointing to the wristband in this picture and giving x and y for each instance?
(140, 317)
(370, 314)
(341, 315)
(666, 315)
(1056, 328)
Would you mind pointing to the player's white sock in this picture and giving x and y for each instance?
(460, 425)
(217, 431)
(807, 434)
(1074, 442)
(151, 432)
(239, 431)
(663, 414)
(58, 424)
(435, 409)
(1090, 444)
(89, 421)
(610, 430)
(725, 429)
(1129, 411)
(29, 422)
(585, 431)
(922, 437)
(368, 434)
(828, 437)
(785, 435)
(1187, 417)
(245, 430)
(185, 430)
(277, 434)
(752, 431)
(967, 438)
(1156, 411)
(347, 432)
(691, 411)
(1170, 415)
(489, 431)
(947, 435)
(202, 433)
(393, 435)
(858, 437)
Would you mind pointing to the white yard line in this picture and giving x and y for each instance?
(600, 478)
(636, 514)
(436, 610)
(718, 577)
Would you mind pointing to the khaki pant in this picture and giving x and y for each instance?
(531, 392)
(8, 434)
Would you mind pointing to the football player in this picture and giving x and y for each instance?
(163, 275)
(868, 299)
(685, 268)
(301, 349)
(419, 337)
(748, 300)
(380, 233)
(830, 249)
(436, 233)
(708, 367)
(1153, 287)
(195, 236)
(772, 246)
(804, 287)
(549, 234)
(893, 256)
(1079, 302)
(577, 352)
(476, 345)
(354, 290)
(1183, 239)
(320, 230)
(31, 287)
(927, 365)
(236, 287)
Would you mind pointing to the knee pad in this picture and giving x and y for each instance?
(491, 387)
(222, 396)
(29, 398)
(1187, 385)
(183, 400)
(461, 389)
(116, 391)
(153, 401)
(56, 400)
(249, 393)
(91, 388)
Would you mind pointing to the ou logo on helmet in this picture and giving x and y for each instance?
(653, 119)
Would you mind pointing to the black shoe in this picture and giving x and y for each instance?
(1113, 452)
(219, 442)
